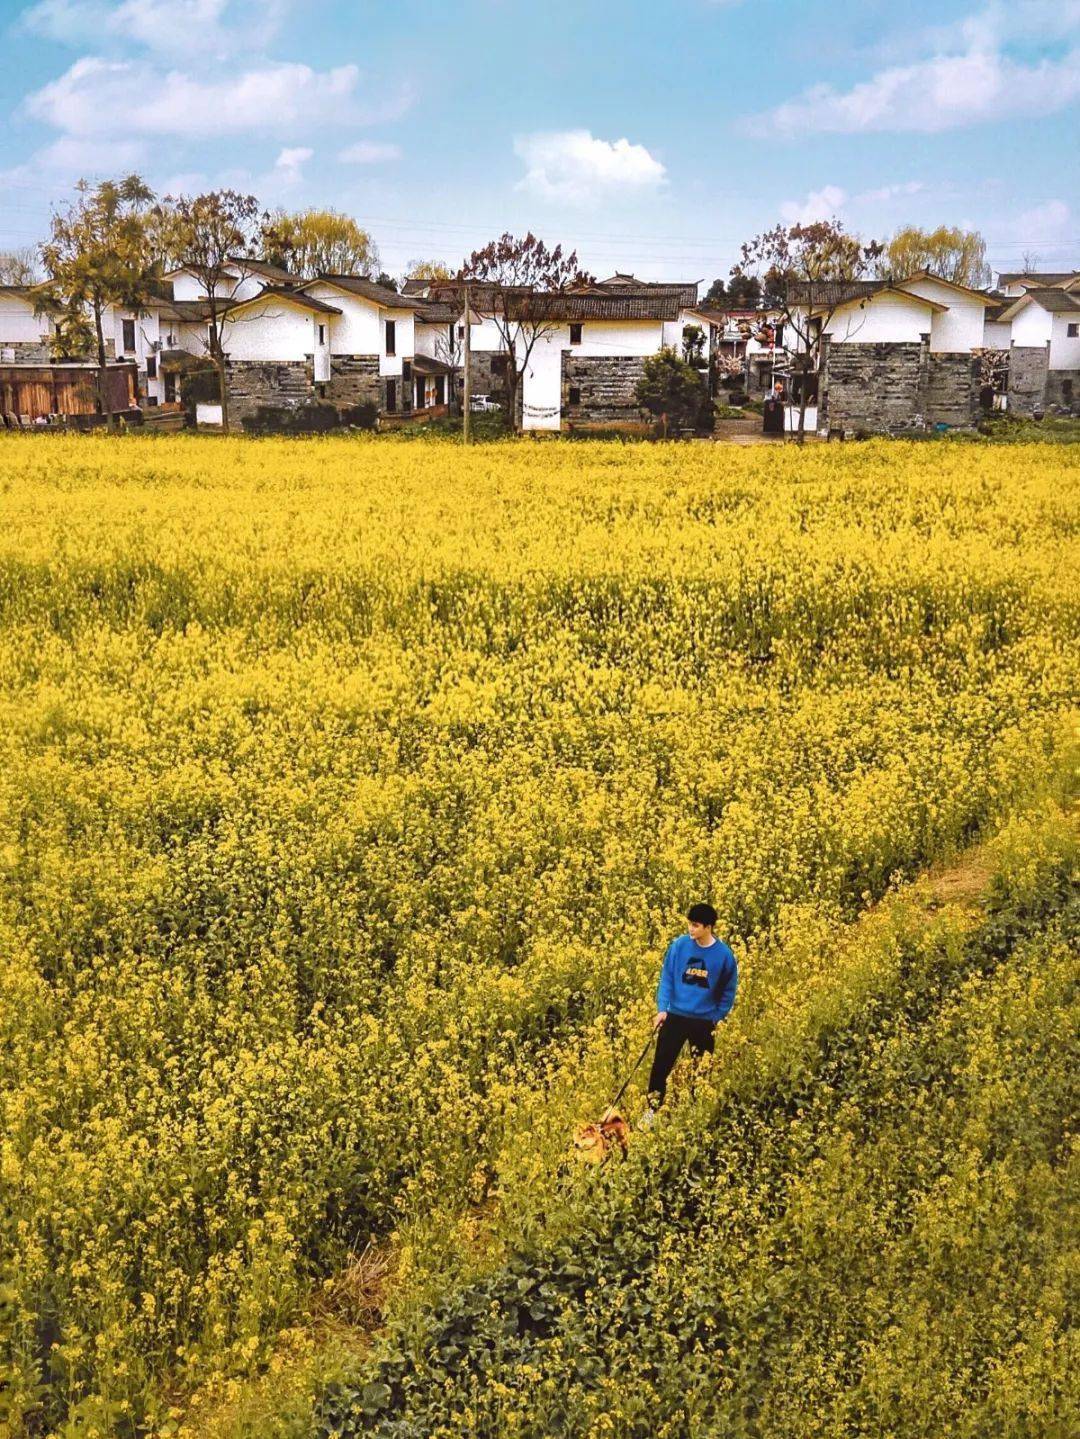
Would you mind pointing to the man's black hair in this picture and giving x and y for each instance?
(702, 914)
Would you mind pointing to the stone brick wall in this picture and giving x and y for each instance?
(487, 369)
(406, 392)
(354, 379)
(881, 388)
(952, 388)
(26, 352)
(252, 383)
(1028, 365)
(606, 384)
(1063, 391)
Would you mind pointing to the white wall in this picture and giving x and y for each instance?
(485, 335)
(404, 340)
(1032, 325)
(541, 389)
(358, 329)
(185, 286)
(272, 329)
(961, 326)
(996, 336)
(18, 323)
(191, 335)
(883, 318)
(541, 381)
(673, 331)
(1065, 352)
(147, 328)
(435, 341)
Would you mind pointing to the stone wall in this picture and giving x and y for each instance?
(354, 379)
(406, 390)
(952, 389)
(251, 383)
(1027, 378)
(606, 384)
(25, 352)
(1063, 391)
(487, 370)
(881, 388)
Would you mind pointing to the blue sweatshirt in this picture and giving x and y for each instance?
(695, 982)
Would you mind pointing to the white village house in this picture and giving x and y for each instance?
(895, 355)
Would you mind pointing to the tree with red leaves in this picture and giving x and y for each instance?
(515, 268)
(803, 270)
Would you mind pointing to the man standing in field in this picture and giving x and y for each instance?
(698, 979)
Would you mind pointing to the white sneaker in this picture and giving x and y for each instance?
(647, 1119)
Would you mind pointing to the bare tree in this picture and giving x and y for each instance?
(19, 267)
(520, 276)
(212, 236)
(807, 272)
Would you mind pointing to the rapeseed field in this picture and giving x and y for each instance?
(350, 791)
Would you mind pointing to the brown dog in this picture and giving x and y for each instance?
(593, 1143)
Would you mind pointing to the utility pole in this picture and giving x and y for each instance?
(467, 417)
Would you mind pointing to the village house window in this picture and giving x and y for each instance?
(391, 392)
(151, 367)
(391, 337)
(460, 332)
(406, 370)
(575, 394)
(322, 334)
(1073, 329)
(129, 336)
(575, 334)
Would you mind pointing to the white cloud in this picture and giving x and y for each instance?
(172, 27)
(369, 152)
(97, 97)
(574, 166)
(932, 95)
(820, 204)
(288, 167)
(1048, 227)
(68, 158)
(884, 193)
(832, 201)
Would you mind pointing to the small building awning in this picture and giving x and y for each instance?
(182, 360)
(425, 365)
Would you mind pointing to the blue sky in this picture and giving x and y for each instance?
(653, 137)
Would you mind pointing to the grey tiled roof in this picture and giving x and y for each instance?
(369, 290)
(1055, 300)
(594, 306)
(826, 293)
(1037, 278)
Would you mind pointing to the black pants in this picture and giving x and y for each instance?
(675, 1031)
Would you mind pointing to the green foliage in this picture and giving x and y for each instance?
(316, 242)
(954, 254)
(672, 391)
(872, 1239)
(98, 254)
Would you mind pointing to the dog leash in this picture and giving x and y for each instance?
(628, 1078)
